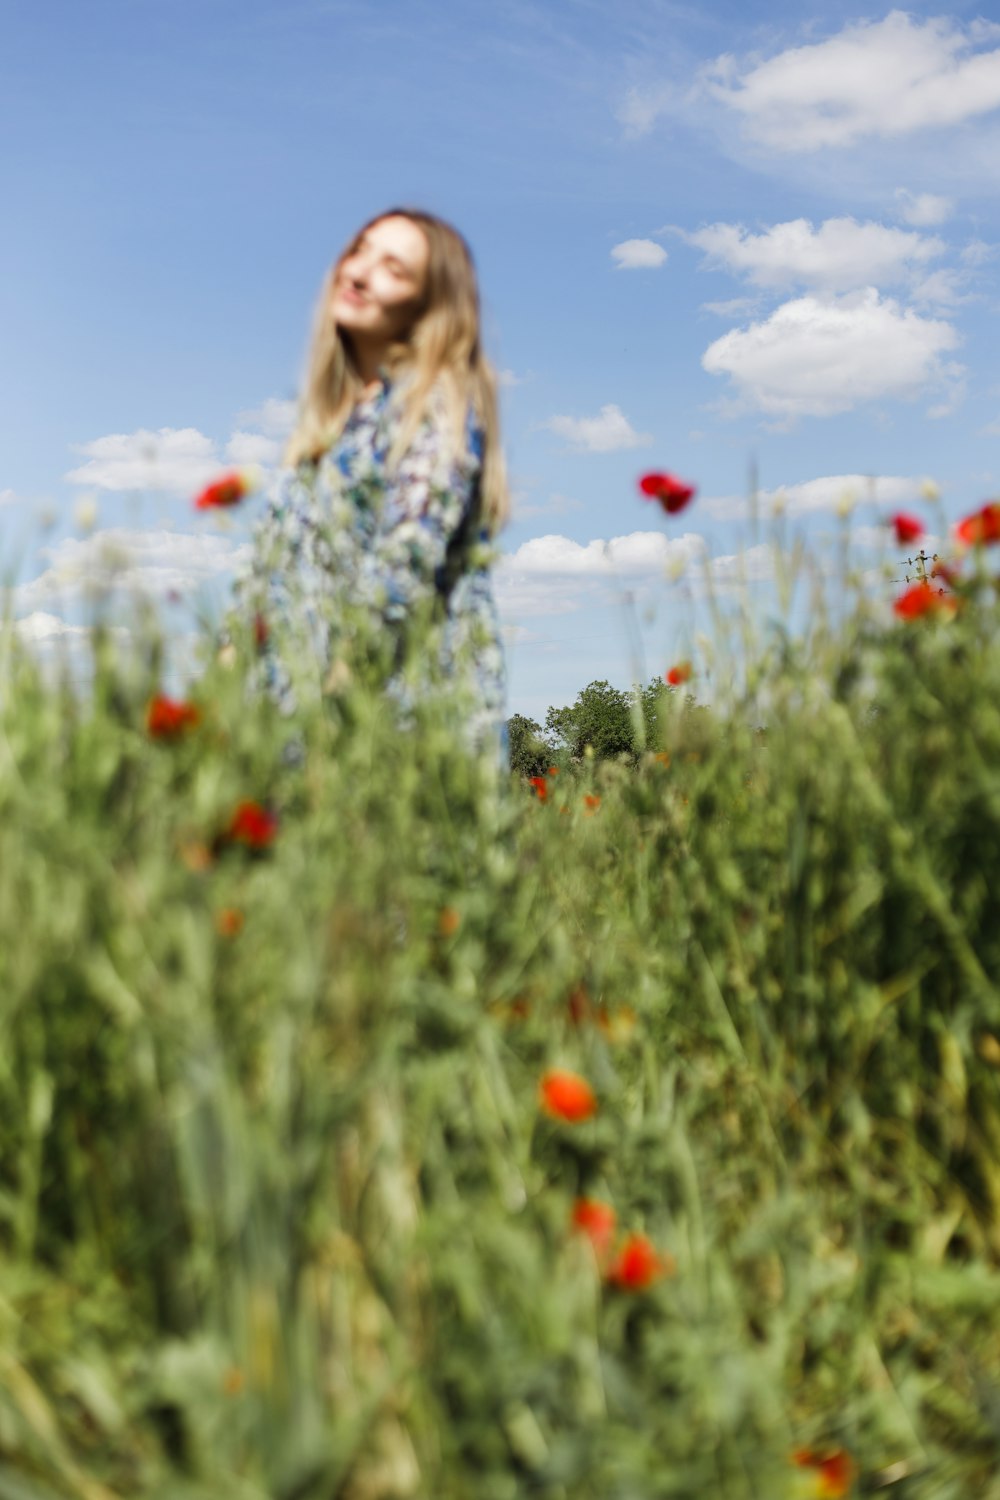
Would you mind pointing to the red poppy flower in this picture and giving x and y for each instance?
(228, 489)
(541, 787)
(835, 1471)
(591, 803)
(672, 493)
(167, 718)
(567, 1096)
(907, 528)
(597, 1221)
(638, 1264)
(261, 631)
(552, 771)
(922, 599)
(982, 527)
(229, 921)
(449, 921)
(252, 825)
(678, 674)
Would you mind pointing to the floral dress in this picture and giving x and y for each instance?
(345, 536)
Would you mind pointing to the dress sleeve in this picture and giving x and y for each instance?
(428, 515)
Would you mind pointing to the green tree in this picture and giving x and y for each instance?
(653, 700)
(601, 717)
(529, 754)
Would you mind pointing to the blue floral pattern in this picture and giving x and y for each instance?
(345, 538)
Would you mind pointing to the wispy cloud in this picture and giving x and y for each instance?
(828, 492)
(556, 505)
(173, 460)
(608, 431)
(156, 564)
(837, 255)
(638, 255)
(923, 209)
(275, 417)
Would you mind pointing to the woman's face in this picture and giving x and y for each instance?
(378, 290)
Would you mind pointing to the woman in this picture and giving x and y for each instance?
(393, 482)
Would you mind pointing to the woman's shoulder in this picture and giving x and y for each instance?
(444, 404)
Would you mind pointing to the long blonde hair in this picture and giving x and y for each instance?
(442, 349)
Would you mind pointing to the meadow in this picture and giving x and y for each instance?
(376, 1125)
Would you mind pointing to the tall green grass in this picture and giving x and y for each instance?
(280, 1214)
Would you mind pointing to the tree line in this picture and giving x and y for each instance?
(612, 721)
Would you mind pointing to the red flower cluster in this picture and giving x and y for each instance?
(566, 1096)
(168, 718)
(921, 599)
(598, 1222)
(541, 787)
(638, 1264)
(907, 528)
(982, 527)
(228, 489)
(679, 674)
(252, 825)
(672, 493)
(835, 1471)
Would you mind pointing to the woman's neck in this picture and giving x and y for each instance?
(369, 356)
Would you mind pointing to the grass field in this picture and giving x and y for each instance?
(295, 1200)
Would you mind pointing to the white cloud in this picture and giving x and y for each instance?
(816, 358)
(874, 78)
(40, 627)
(923, 209)
(7, 497)
(832, 490)
(942, 289)
(553, 575)
(507, 379)
(638, 255)
(176, 460)
(823, 494)
(840, 255)
(605, 433)
(735, 307)
(753, 565)
(977, 253)
(274, 417)
(156, 563)
(635, 553)
(642, 107)
(253, 448)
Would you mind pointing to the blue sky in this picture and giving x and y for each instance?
(705, 237)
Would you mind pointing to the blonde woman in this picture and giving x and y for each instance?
(394, 479)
